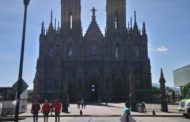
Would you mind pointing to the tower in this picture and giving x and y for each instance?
(162, 81)
(71, 15)
(116, 15)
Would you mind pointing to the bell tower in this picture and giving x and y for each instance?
(71, 15)
(116, 15)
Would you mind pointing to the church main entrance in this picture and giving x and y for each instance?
(93, 92)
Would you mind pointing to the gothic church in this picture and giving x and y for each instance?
(93, 66)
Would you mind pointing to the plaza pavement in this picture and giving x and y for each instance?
(110, 119)
(112, 110)
(111, 113)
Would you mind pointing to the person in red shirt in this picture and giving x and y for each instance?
(57, 109)
(35, 109)
(46, 110)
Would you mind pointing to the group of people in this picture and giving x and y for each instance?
(46, 109)
(81, 104)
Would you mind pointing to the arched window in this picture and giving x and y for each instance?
(71, 21)
(69, 50)
(117, 51)
(136, 51)
(116, 21)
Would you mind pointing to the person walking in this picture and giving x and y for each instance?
(35, 110)
(143, 107)
(46, 110)
(57, 109)
(126, 113)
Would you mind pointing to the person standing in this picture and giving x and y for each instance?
(57, 109)
(35, 110)
(46, 110)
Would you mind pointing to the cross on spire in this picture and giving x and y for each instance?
(93, 12)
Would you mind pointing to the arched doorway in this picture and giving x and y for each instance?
(92, 88)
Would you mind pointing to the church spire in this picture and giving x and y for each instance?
(144, 29)
(51, 22)
(131, 21)
(55, 24)
(135, 20)
(42, 28)
(93, 13)
(135, 17)
(162, 79)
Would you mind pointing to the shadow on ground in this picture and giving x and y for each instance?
(132, 120)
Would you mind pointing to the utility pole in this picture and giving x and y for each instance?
(20, 80)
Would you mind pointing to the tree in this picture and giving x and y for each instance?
(30, 95)
(184, 89)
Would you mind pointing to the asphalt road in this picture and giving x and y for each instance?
(112, 119)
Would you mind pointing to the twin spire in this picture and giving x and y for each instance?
(130, 26)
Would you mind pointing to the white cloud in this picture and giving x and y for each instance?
(162, 49)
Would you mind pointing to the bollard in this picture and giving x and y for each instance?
(81, 113)
(153, 113)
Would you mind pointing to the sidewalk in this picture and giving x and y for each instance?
(112, 110)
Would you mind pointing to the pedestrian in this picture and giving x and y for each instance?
(143, 107)
(46, 110)
(35, 110)
(82, 103)
(78, 104)
(126, 113)
(57, 109)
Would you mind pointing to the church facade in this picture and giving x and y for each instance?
(92, 66)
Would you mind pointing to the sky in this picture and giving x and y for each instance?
(167, 24)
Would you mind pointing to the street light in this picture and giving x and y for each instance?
(20, 81)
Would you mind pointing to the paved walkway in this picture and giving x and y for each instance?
(113, 109)
(111, 113)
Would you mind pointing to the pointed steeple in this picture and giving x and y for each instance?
(42, 28)
(135, 20)
(93, 27)
(162, 79)
(131, 22)
(144, 29)
(55, 24)
(135, 16)
(51, 22)
(51, 16)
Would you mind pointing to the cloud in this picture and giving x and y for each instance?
(162, 49)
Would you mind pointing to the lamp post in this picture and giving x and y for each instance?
(20, 81)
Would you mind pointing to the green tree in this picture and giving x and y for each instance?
(156, 94)
(30, 95)
(184, 90)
